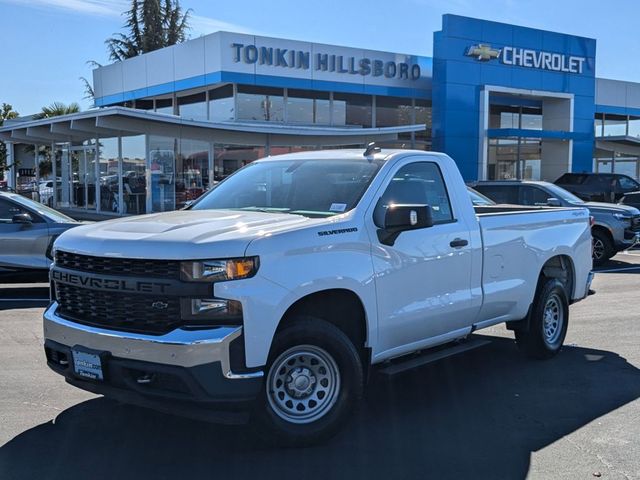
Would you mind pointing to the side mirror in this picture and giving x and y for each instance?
(401, 218)
(553, 202)
(23, 218)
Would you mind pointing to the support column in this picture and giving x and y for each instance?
(212, 164)
(65, 166)
(120, 179)
(10, 174)
(54, 172)
(98, 179)
(36, 161)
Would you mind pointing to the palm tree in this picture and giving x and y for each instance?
(56, 109)
(151, 25)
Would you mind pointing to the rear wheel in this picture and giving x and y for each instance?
(548, 323)
(314, 380)
(602, 247)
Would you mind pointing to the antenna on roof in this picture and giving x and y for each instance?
(372, 148)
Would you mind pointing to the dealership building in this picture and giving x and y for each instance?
(503, 101)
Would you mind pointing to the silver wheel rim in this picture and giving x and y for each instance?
(303, 384)
(553, 319)
(598, 248)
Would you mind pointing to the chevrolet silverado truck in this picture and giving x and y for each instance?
(274, 296)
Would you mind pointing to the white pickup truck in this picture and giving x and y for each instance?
(273, 296)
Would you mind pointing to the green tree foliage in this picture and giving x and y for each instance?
(150, 25)
(56, 109)
(6, 113)
(44, 151)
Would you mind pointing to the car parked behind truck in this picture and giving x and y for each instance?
(616, 227)
(275, 295)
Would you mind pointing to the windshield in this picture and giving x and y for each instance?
(43, 210)
(478, 199)
(313, 188)
(561, 193)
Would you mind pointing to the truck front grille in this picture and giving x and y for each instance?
(118, 311)
(169, 269)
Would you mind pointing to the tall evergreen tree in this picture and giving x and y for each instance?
(150, 25)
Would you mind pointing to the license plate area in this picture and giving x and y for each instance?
(87, 363)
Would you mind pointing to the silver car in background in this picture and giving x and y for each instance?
(27, 232)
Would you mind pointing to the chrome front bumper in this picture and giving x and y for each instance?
(184, 348)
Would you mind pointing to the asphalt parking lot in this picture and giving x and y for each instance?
(488, 413)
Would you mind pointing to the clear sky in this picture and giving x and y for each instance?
(45, 44)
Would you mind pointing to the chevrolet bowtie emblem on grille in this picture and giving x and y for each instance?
(482, 52)
(159, 305)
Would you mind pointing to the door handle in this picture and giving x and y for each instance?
(458, 243)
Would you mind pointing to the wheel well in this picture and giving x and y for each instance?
(560, 267)
(339, 307)
(604, 230)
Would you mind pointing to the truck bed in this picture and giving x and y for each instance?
(517, 240)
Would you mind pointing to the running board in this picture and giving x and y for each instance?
(433, 355)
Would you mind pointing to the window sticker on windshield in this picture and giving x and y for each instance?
(338, 207)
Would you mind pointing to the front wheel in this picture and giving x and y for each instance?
(602, 247)
(548, 323)
(314, 380)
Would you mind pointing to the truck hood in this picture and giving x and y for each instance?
(178, 235)
(611, 208)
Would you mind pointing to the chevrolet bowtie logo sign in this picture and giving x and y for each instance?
(484, 53)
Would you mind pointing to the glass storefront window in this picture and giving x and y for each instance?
(260, 104)
(164, 105)
(109, 179)
(229, 158)
(423, 116)
(308, 107)
(162, 161)
(634, 127)
(134, 175)
(514, 116)
(144, 104)
(193, 107)
(192, 171)
(352, 109)
(392, 112)
(615, 125)
(221, 104)
(509, 161)
(597, 125)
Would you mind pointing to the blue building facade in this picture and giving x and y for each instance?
(501, 88)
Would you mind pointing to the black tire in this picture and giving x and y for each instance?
(548, 323)
(602, 247)
(309, 339)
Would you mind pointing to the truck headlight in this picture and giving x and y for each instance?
(219, 270)
(623, 217)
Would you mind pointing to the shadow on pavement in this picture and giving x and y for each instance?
(478, 415)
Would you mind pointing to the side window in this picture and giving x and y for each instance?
(627, 184)
(8, 210)
(533, 196)
(500, 193)
(420, 183)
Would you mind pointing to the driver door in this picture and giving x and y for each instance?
(423, 280)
